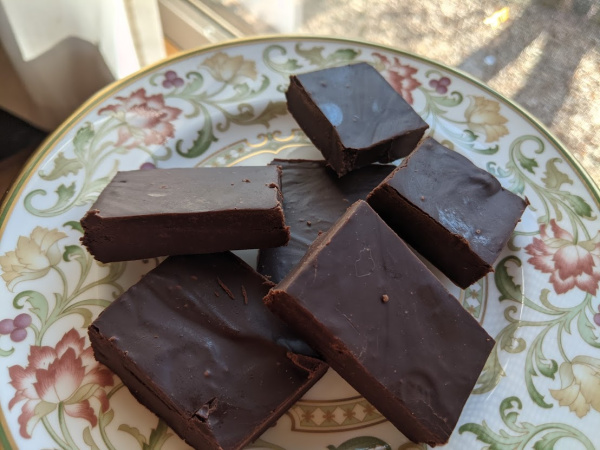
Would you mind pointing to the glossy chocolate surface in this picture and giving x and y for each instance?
(455, 214)
(353, 116)
(314, 199)
(385, 323)
(194, 342)
(149, 213)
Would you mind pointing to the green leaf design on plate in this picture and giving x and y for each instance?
(38, 302)
(276, 58)
(89, 440)
(83, 393)
(554, 178)
(91, 148)
(529, 164)
(509, 290)
(273, 110)
(437, 116)
(75, 252)
(82, 139)
(451, 100)
(290, 65)
(206, 103)
(558, 318)
(74, 225)
(555, 202)
(63, 166)
(315, 56)
(133, 431)
(158, 436)
(578, 204)
(83, 312)
(202, 142)
(522, 434)
(490, 376)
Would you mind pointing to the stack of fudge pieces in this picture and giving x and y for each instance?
(196, 340)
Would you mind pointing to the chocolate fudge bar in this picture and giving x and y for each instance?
(314, 199)
(452, 212)
(386, 324)
(195, 344)
(353, 116)
(149, 213)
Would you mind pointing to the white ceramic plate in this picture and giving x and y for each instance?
(224, 105)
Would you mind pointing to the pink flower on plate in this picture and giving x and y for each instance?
(571, 264)
(67, 374)
(399, 75)
(143, 119)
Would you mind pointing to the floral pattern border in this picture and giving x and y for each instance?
(552, 328)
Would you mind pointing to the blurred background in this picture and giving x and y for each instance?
(544, 54)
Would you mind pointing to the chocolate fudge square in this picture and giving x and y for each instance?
(195, 344)
(161, 212)
(314, 199)
(353, 116)
(386, 324)
(455, 214)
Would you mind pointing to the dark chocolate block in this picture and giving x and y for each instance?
(452, 212)
(353, 116)
(386, 324)
(314, 199)
(149, 213)
(195, 344)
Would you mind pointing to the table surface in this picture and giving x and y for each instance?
(543, 54)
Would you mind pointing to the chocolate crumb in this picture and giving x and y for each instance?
(309, 223)
(268, 283)
(246, 180)
(204, 412)
(385, 298)
(226, 289)
(245, 295)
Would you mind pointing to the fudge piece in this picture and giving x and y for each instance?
(314, 199)
(194, 343)
(353, 116)
(149, 213)
(455, 214)
(386, 324)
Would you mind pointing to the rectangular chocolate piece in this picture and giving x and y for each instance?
(161, 212)
(386, 324)
(353, 116)
(455, 214)
(314, 199)
(195, 344)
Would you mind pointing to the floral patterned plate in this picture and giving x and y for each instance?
(224, 105)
